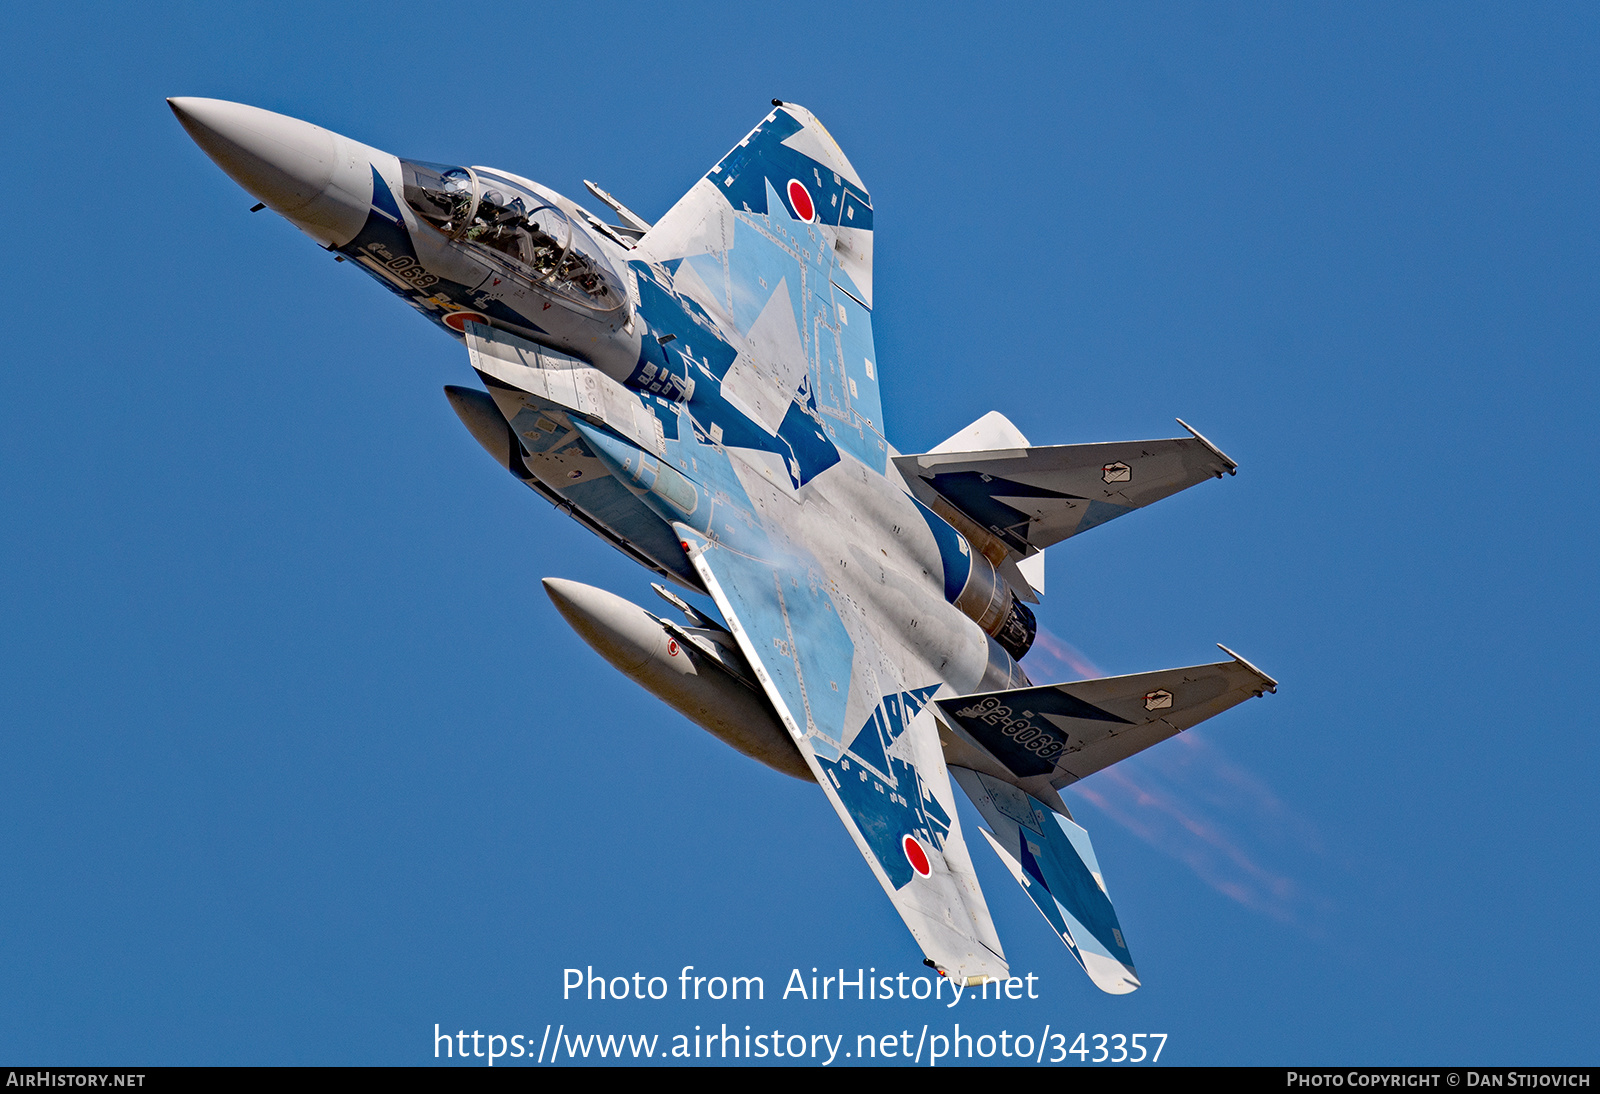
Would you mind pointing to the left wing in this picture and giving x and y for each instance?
(790, 146)
(772, 249)
(885, 777)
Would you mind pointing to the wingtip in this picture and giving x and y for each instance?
(1231, 466)
(1109, 974)
(1271, 684)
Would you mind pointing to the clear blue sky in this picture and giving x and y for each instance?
(298, 760)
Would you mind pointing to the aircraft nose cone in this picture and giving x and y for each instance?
(316, 178)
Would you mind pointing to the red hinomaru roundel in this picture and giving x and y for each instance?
(458, 320)
(800, 198)
(916, 856)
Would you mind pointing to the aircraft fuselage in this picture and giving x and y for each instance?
(703, 393)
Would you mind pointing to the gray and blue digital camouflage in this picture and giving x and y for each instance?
(703, 393)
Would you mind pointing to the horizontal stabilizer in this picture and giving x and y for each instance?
(1031, 497)
(1059, 733)
(1054, 862)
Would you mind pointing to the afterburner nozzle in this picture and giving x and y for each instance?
(317, 179)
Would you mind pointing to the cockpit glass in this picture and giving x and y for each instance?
(530, 234)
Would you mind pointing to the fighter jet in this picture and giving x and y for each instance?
(702, 393)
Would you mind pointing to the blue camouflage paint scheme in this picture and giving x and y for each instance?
(722, 430)
(979, 496)
(777, 597)
(383, 199)
(828, 413)
(837, 405)
(777, 593)
(696, 355)
(773, 246)
(1055, 863)
(884, 794)
(954, 551)
(763, 156)
(1010, 726)
(1071, 899)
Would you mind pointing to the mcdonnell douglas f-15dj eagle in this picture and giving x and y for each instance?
(702, 393)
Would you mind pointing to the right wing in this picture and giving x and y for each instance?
(887, 780)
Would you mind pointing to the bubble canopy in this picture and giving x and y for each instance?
(522, 230)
